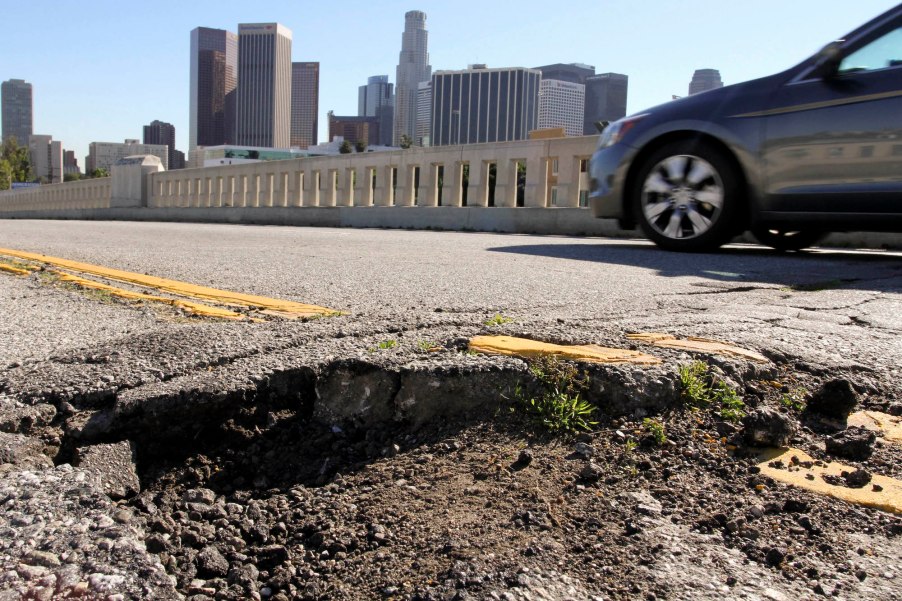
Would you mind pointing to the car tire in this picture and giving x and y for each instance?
(688, 197)
(787, 240)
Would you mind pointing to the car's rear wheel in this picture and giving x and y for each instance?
(688, 197)
(786, 240)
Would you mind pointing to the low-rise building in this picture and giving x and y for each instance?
(46, 158)
(103, 155)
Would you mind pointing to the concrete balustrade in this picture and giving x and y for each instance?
(510, 186)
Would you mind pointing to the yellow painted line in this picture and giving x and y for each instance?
(188, 306)
(888, 427)
(13, 270)
(887, 499)
(523, 347)
(282, 307)
(699, 345)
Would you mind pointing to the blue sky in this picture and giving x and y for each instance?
(103, 69)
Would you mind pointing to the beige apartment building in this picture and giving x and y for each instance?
(105, 154)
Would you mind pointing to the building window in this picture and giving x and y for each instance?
(584, 198)
(554, 196)
(583, 165)
(554, 166)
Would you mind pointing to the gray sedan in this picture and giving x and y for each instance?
(791, 157)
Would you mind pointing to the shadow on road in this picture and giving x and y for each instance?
(808, 270)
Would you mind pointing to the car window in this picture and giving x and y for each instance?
(884, 52)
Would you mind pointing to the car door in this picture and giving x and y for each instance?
(833, 143)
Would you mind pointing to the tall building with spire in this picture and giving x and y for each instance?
(704, 80)
(413, 68)
(17, 110)
(214, 77)
(264, 85)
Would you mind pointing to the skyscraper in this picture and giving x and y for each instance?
(17, 109)
(704, 80)
(214, 77)
(572, 72)
(264, 85)
(413, 68)
(304, 104)
(376, 99)
(159, 132)
(605, 99)
(480, 105)
(562, 104)
(424, 114)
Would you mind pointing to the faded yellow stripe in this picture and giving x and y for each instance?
(888, 427)
(888, 499)
(188, 306)
(523, 347)
(14, 270)
(283, 307)
(699, 345)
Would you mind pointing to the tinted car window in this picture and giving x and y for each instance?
(885, 51)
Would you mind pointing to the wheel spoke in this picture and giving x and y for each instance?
(700, 171)
(700, 223)
(674, 227)
(657, 184)
(710, 195)
(655, 210)
(676, 168)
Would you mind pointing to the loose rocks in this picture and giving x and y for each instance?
(766, 427)
(835, 399)
(114, 464)
(852, 443)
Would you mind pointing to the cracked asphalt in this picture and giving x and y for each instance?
(826, 308)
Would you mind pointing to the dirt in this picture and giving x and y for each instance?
(278, 506)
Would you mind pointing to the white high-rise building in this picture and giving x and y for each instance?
(46, 158)
(562, 104)
(413, 68)
(424, 114)
(264, 86)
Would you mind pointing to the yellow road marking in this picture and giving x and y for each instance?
(13, 270)
(887, 499)
(701, 345)
(888, 427)
(283, 307)
(188, 306)
(523, 347)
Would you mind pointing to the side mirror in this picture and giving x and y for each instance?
(601, 125)
(828, 60)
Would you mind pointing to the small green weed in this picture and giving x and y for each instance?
(694, 388)
(732, 408)
(630, 446)
(558, 406)
(384, 345)
(698, 391)
(498, 320)
(427, 345)
(655, 428)
(794, 400)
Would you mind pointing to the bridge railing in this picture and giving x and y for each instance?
(541, 173)
(83, 194)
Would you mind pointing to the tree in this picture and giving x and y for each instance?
(359, 145)
(345, 147)
(100, 172)
(72, 177)
(405, 142)
(17, 162)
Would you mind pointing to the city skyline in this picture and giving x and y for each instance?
(101, 94)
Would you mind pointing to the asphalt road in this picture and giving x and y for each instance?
(830, 308)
